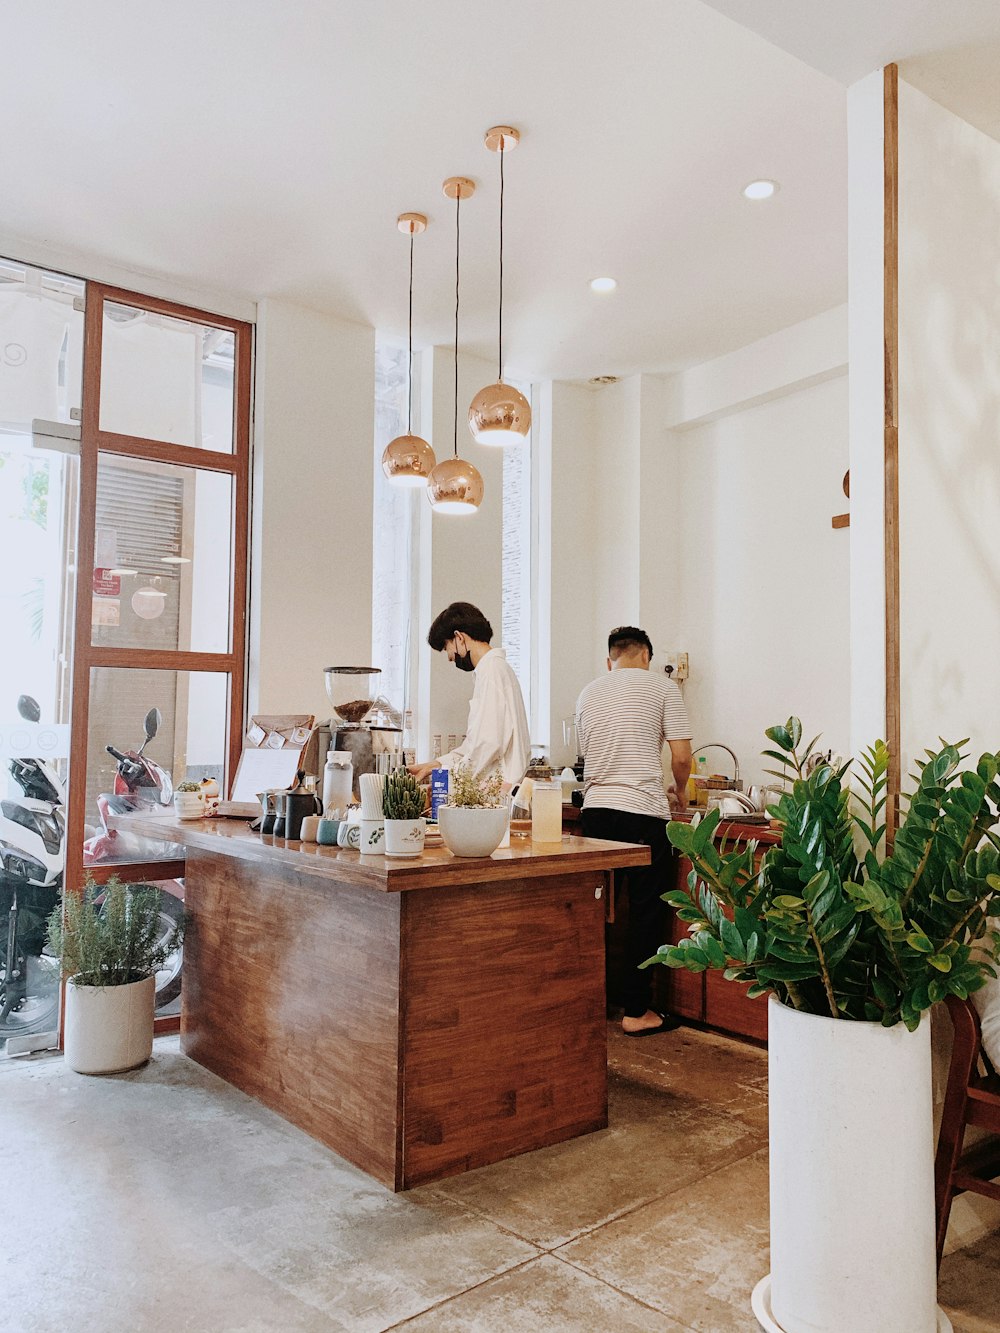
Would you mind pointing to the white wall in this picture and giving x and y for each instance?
(312, 495)
(949, 429)
(763, 607)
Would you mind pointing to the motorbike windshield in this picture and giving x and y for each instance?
(35, 780)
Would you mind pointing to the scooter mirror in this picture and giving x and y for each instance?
(28, 708)
(152, 723)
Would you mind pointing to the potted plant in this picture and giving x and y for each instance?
(474, 819)
(853, 941)
(403, 813)
(110, 941)
(189, 800)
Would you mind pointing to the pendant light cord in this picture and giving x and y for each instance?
(409, 362)
(458, 204)
(500, 314)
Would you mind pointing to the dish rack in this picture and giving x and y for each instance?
(721, 784)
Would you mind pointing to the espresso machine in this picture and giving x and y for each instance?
(363, 722)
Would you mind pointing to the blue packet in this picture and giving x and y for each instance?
(439, 790)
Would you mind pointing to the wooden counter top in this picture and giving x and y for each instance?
(433, 869)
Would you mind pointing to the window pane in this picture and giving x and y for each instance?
(166, 379)
(394, 530)
(189, 745)
(162, 556)
(516, 560)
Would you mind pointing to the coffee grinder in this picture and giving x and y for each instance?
(363, 722)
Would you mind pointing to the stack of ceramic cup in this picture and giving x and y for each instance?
(372, 823)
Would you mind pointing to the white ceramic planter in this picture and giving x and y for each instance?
(189, 804)
(852, 1178)
(372, 841)
(405, 837)
(470, 832)
(109, 1028)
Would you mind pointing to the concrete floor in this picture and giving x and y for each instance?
(166, 1200)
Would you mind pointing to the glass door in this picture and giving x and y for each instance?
(41, 354)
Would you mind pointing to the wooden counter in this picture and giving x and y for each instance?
(420, 1017)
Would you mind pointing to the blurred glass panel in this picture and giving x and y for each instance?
(189, 745)
(41, 345)
(166, 379)
(162, 557)
(41, 338)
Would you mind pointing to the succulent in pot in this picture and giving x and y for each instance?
(189, 800)
(474, 819)
(403, 814)
(110, 940)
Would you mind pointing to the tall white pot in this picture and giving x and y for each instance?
(109, 1028)
(852, 1178)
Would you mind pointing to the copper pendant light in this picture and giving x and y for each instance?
(455, 486)
(408, 460)
(500, 414)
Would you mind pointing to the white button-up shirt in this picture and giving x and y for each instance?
(498, 735)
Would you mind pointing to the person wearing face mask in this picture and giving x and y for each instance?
(497, 736)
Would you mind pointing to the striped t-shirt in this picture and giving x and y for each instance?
(622, 721)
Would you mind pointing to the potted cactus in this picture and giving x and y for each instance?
(403, 813)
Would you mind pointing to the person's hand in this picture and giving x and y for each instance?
(421, 771)
(674, 797)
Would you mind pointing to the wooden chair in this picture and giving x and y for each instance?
(972, 1098)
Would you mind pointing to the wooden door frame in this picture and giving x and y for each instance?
(93, 442)
(890, 318)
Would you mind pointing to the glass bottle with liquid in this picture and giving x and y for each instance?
(546, 810)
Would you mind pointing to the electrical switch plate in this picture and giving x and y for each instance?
(679, 662)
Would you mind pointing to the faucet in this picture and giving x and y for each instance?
(717, 745)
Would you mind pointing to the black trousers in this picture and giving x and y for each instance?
(644, 885)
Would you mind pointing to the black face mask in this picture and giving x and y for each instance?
(464, 663)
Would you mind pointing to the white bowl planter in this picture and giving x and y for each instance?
(852, 1178)
(109, 1028)
(405, 837)
(471, 831)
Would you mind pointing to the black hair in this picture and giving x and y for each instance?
(629, 637)
(461, 618)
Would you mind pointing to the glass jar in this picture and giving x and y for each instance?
(546, 811)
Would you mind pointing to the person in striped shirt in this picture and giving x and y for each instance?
(623, 720)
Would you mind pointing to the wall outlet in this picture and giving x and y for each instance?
(676, 666)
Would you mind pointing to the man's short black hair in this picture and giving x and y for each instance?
(460, 618)
(628, 638)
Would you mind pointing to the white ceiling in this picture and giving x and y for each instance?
(265, 149)
(847, 39)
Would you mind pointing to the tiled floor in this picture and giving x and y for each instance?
(165, 1200)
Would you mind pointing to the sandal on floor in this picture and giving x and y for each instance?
(667, 1023)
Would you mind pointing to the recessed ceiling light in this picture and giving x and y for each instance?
(603, 285)
(760, 189)
(122, 573)
(175, 560)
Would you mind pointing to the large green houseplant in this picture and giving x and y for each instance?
(833, 923)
